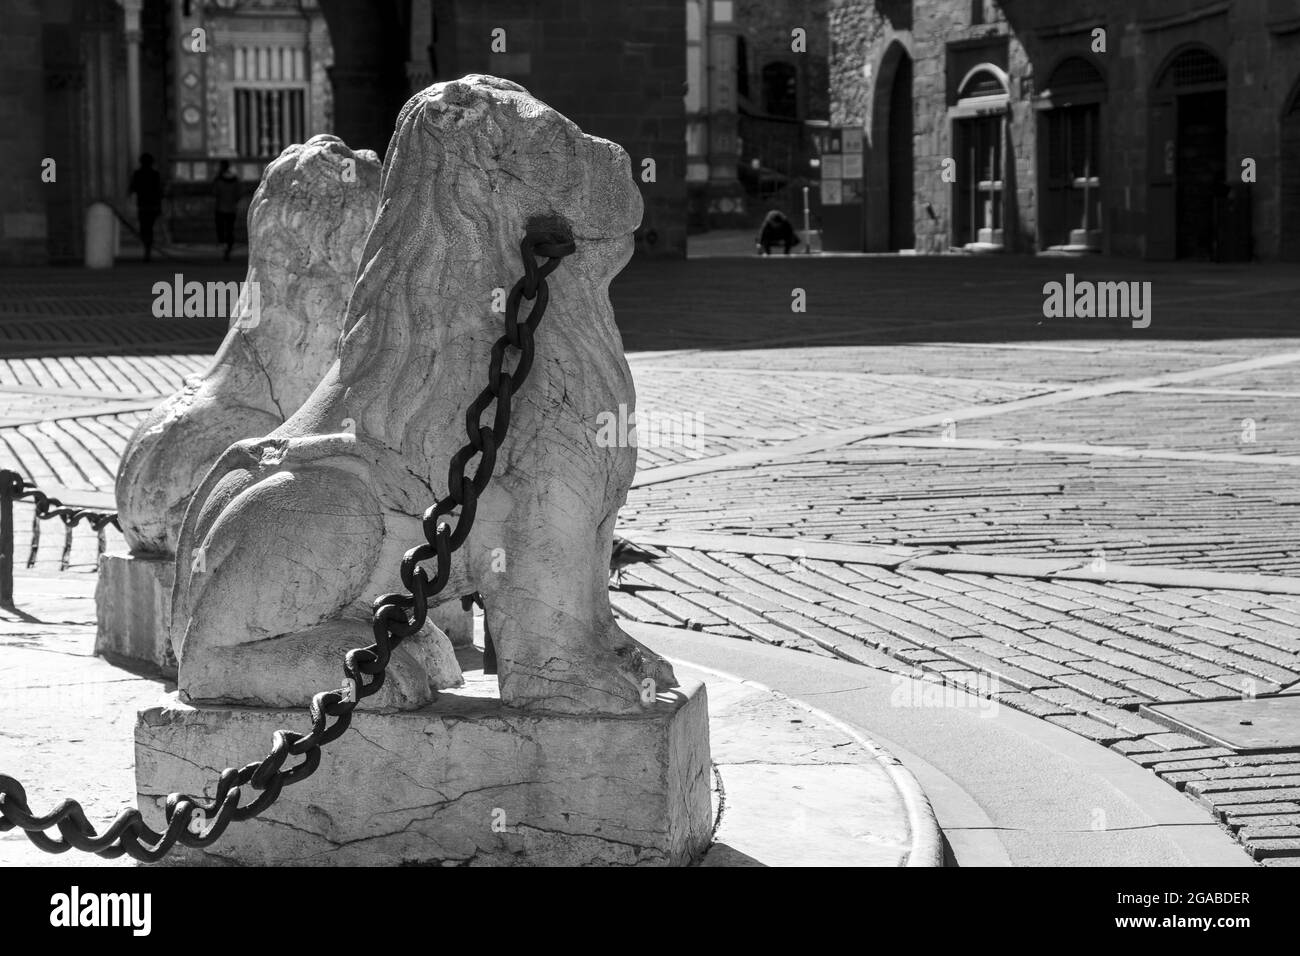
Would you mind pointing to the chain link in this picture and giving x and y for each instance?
(46, 507)
(196, 823)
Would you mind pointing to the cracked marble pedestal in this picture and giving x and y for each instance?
(461, 781)
(133, 600)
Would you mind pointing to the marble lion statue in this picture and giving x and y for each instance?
(291, 536)
(307, 223)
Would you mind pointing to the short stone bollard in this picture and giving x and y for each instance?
(584, 749)
(307, 226)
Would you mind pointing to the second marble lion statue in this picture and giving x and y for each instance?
(290, 536)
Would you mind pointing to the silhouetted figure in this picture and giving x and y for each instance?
(777, 230)
(146, 185)
(226, 190)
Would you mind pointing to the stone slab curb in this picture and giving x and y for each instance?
(1068, 569)
(925, 839)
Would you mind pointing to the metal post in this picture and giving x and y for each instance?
(8, 481)
(807, 227)
(489, 648)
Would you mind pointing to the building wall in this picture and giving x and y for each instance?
(62, 98)
(266, 45)
(617, 70)
(732, 123)
(1257, 40)
(22, 194)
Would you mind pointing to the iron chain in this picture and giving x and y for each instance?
(197, 823)
(47, 507)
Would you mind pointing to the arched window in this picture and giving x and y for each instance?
(780, 90)
(1193, 68)
(1075, 73)
(982, 82)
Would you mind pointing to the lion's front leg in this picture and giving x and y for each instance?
(546, 603)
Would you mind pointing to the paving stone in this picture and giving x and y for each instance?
(1038, 665)
(1261, 849)
(1155, 690)
(1247, 783)
(1033, 704)
(1136, 747)
(1180, 778)
(1172, 766)
(1097, 689)
(1263, 820)
(1266, 770)
(1002, 670)
(1281, 832)
(1223, 798)
(1092, 729)
(1164, 756)
(1261, 760)
(1282, 807)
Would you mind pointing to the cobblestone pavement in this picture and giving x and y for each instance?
(1075, 517)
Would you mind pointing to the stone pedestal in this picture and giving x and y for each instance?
(462, 781)
(133, 601)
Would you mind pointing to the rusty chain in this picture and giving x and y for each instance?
(196, 823)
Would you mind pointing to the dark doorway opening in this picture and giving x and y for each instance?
(1070, 150)
(1290, 211)
(978, 214)
(902, 208)
(1201, 170)
(1187, 190)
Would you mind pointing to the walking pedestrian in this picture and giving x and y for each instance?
(146, 185)
(225, 189)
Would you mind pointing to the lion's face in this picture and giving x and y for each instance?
(536, 161)
(305, 209)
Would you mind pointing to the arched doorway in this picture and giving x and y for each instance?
(902, 208)
(1187, 159)
(888, 161)
(979, 138)
(1069, 151)
(1289, 150)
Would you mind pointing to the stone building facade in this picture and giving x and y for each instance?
(756, 93)
(615, 69)
(1161, 129)
(94, 83)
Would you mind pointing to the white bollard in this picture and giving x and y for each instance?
(101, 236)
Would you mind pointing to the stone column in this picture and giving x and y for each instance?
(131, 9)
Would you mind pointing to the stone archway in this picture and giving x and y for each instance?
(902, 209)
(890, 162)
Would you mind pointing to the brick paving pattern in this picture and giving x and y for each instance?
(918, 413)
